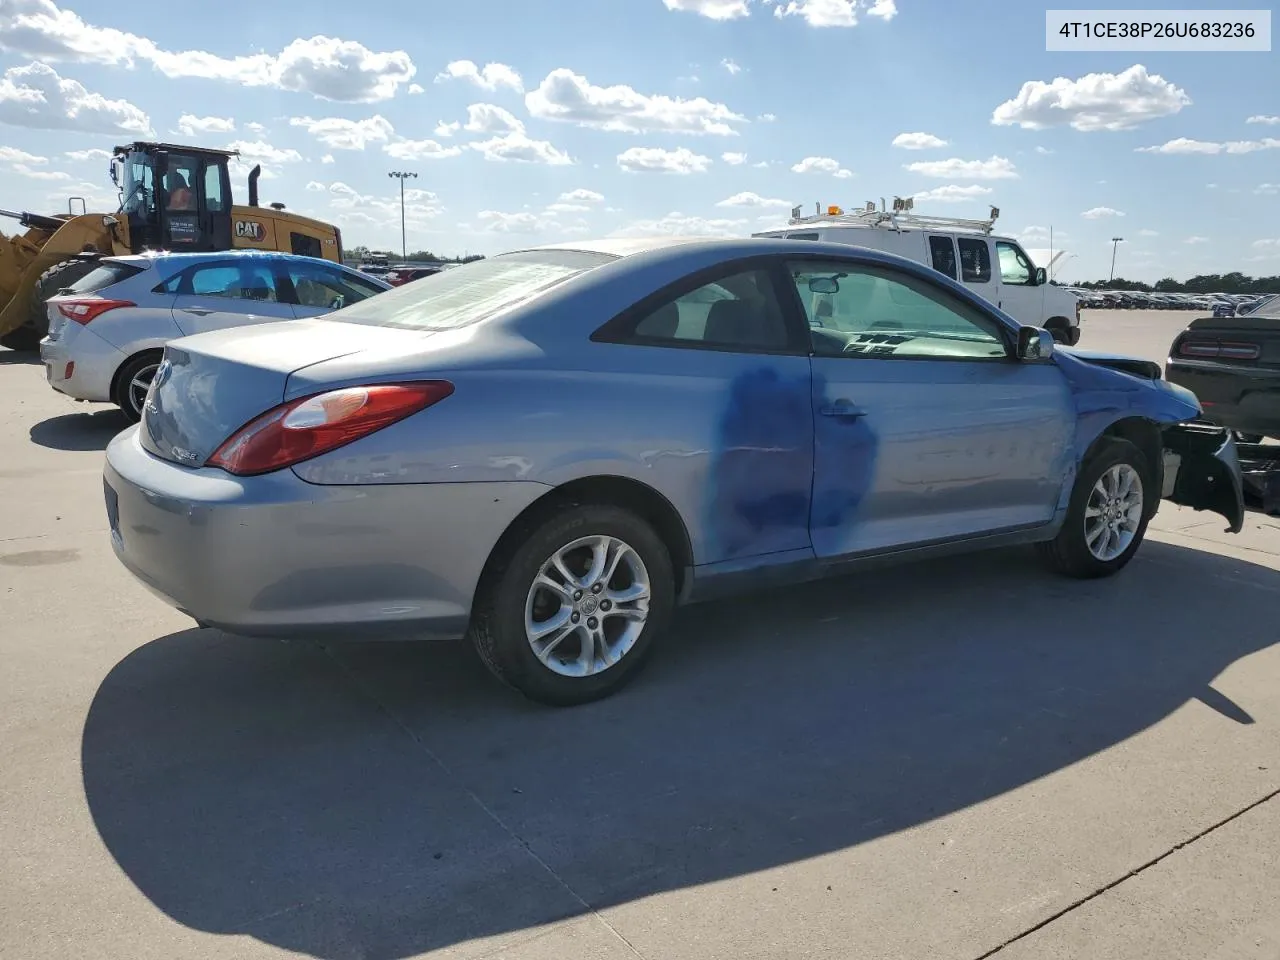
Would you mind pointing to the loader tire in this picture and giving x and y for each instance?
(59, 275)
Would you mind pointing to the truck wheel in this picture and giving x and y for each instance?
(1107, 516)
(61, 274)
(571, 611)
(1062, 331)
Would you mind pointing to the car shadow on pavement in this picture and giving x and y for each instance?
(18, 356)
(79, 431)
(382, 800)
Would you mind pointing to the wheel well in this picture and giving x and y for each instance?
(115, 377)
(632, 495)
(1057, 322)
(1146, 436)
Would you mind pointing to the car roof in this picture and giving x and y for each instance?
(184, 256)
(725, 248)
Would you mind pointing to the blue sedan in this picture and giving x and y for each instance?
(547, 451)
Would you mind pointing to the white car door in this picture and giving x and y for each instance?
(227, 293)
(1019, 296)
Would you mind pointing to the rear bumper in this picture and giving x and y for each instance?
(276, 556)
(95, 360)
(1244, 400)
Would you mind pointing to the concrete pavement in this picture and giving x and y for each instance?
(960, 759)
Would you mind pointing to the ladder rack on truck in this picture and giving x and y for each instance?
(898, 218)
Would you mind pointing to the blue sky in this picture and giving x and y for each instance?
(534, 121)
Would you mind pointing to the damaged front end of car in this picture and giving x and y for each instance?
(1202, 470)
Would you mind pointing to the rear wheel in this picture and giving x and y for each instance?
(571, 611)
(133, 379)
(61, 274)
(1107, 515)
(1062, 331)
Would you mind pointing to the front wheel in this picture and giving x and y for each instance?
(571, 611)
(1107, 515)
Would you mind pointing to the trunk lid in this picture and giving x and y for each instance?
(1231, 341)
(211, 384)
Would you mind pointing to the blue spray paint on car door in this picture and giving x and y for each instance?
(761, 475)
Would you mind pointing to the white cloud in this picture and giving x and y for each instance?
(1266, 244)
(953, 194)
(822, 165)
(565, 96)
(521, 222)
(415, 88)
(1260, 118)
(487, 118)
(420, 206)
(325, 67)
(36, 96)
(762, 165)
(261, 150)
(447, 129)
(517, 146)
(26, 171)
(732, 66)
(93, 153)
(682, 160)
(14, 155)
(342, 134)
(711, 9)
(995, 168)
(1098, 213)
(1096, 101)
(734, 159)
(682, 225)
(327, 158)
(254, 127)
(918, 141)
(1043, 151)
(1196, 240)
(767, 117)
(191, 126)
(489, 77)
(567, 208)
(582, 195)
(420, 150)
(317, 186)
(1212, 148)
(1268, 189)
(1148, 232)
(835, 13)
(749, 199)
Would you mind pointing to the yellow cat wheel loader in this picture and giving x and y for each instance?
(173, 198)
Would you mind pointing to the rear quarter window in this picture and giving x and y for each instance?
(104, 275)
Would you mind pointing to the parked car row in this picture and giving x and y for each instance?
(1224, 304)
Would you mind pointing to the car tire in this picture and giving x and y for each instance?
(512, 614)
(123, 393)
(1090, 545)
(59, 275)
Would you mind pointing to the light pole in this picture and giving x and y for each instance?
(402, 175)
(1115, 244)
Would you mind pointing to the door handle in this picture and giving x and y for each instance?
(842, 408)
(198, 311)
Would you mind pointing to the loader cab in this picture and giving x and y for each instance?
(174, 197)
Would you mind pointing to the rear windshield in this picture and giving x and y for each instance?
(104, 275)
(466, 294)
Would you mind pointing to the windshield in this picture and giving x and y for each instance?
(467, 294)
(139, 185)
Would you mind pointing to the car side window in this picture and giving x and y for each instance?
(1015, 268)
(234, 281)
(942, 251)
(975, 260)
(324, 287)
(737, 311)
(859, 310)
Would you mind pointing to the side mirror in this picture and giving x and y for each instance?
(1035, 345)
(1041, 277)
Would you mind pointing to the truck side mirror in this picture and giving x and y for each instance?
(1041, 277)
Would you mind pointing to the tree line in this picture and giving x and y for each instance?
(363, 253)
(1203, 283)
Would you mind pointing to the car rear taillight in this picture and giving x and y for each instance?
(1218, 350)
(307, 427)
(82, 311)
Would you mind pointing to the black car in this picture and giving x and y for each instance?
(1233, 365)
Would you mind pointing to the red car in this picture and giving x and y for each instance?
(403, 275)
